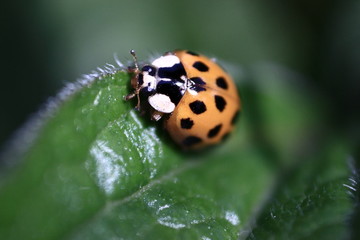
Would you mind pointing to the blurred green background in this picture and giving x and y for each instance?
(48, 43)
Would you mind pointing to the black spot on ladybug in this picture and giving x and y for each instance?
(186, 123)
(191, 140)
(174, 72)
(201, 66)
(197, 80)
(214, 131)
(220, 103)
(235, 117)
(197, 84)
(150, 69)
(197, 107)
(197, 88)
(170, 89)
(221, 83)
(192, 53)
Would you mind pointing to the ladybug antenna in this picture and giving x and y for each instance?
(133, 54)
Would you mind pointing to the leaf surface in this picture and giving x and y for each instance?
(97, 169)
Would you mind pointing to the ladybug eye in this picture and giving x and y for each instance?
(151, 70)
(141, 79)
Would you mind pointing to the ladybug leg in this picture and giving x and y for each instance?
(131, 96)
(138, 100)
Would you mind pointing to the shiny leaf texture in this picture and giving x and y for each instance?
(97, 169)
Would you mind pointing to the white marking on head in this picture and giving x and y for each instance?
(166, 61)
(161, 103)
(149, 81)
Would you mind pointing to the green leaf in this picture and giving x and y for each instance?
(311, 201)
(96, 169)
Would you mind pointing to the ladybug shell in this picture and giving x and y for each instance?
(204, 118)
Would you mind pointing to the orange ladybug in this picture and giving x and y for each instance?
(197, 99)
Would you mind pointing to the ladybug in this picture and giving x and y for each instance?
(196, 98)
